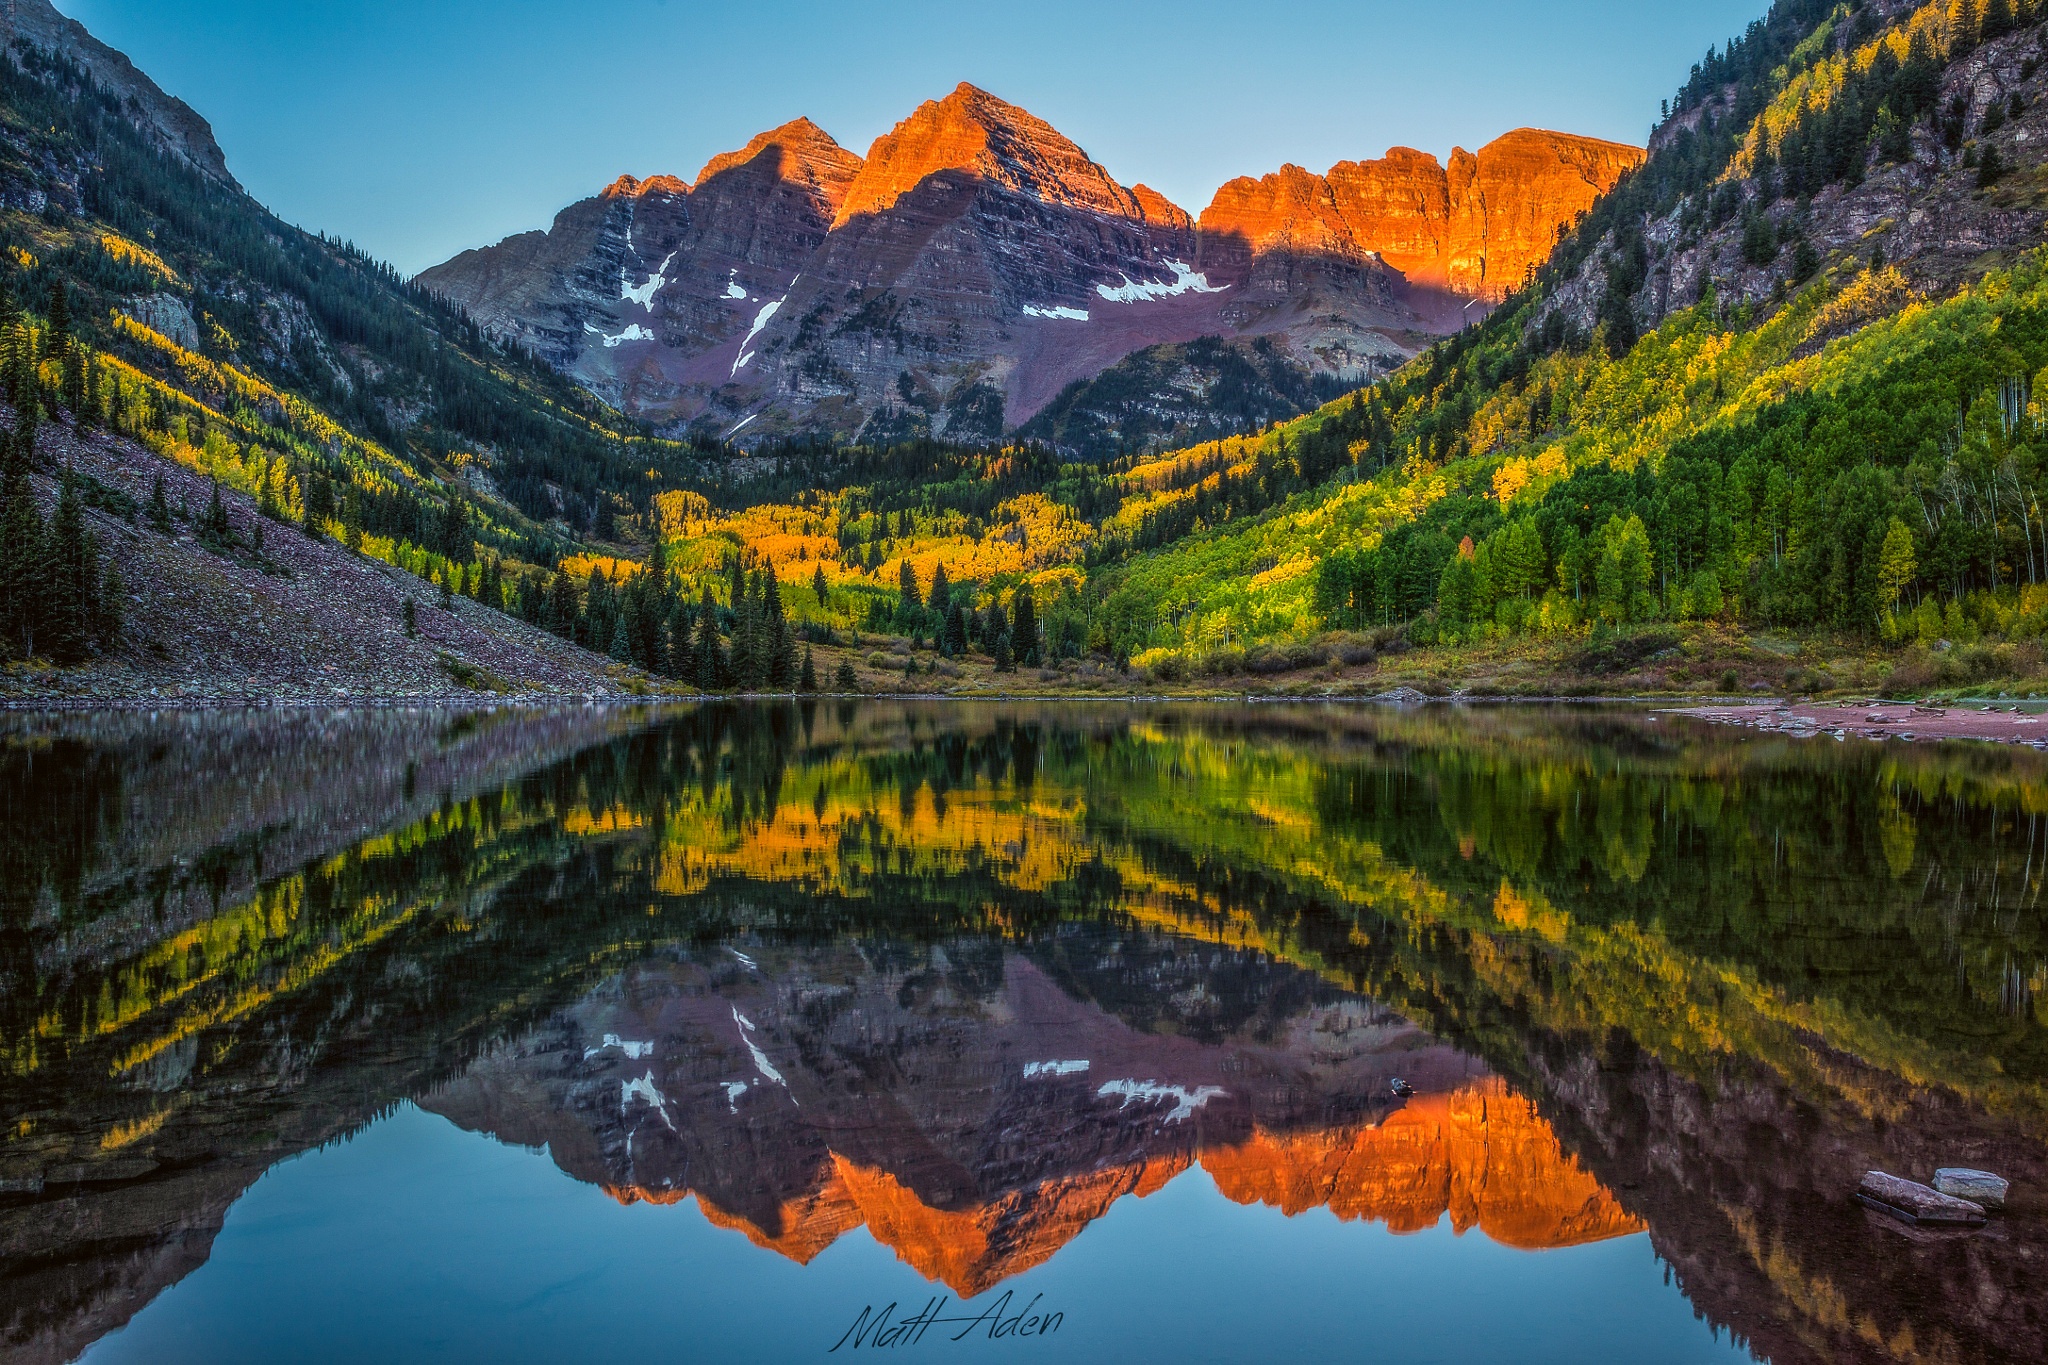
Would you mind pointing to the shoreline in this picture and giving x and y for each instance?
(1903, 722)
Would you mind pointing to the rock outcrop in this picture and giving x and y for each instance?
(1474, 229)
(169, 122)
(976, 263)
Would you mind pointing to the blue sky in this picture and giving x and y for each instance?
(419, 127)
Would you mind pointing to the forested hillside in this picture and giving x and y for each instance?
(1769, 411)
(1783, 380)
(149, 306)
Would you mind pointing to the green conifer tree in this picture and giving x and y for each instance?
(845, 680)
(1024, 645)
(710, 653)
(159, 508)
(71, 580)
(58, 342)
(780, 640)
(21, 558)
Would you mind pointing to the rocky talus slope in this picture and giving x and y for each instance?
(300, 619)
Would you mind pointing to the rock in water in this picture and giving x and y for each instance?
(1916, 1203)
(1979, 1187)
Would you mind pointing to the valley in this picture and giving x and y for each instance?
(1754, 411)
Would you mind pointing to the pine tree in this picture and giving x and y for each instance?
(71, 582)
(1968, 28)
(819, 587)
(21, 558)
(159, 509)
(680, 662)
(808, 681)
(845, 679)
(956, 631)
(73, 380)
(710, 654)
(779, 640)
(999, 651)
(59, 343)
(217, 529)
(562, 607)
(621, 650)
(906, 584)
(412, 618)
(447, 597)
(1024, 628)
(940, 602)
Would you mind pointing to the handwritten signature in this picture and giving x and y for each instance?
(884, 1329)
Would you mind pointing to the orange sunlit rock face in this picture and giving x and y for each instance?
(1481, 1154)
(1475, 228)
(971, 130)
(807, 152)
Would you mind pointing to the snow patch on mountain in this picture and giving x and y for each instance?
(760, 321)
(1186, 280)
(761, 1063)
(643, 294)
(1186, 1101)
(1032, 1069)
(1034, 310)
(647, 1093)
(634, 1051)
(634, 332)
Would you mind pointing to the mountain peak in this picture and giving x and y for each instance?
(167, 121)
(631, 187)
(998, 142)
(806, 151)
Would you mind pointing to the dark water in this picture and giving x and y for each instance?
(1067, 1033)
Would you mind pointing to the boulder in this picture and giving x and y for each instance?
(1913, 1202)
(1979, 1187)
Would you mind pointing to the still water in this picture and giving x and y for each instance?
(1070, 1033)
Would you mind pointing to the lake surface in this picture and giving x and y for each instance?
(1061, 1032)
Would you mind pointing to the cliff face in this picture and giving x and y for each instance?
(173, 125)
(977, 263)
(1002, 1115)
(1474, 229)
(974, 133)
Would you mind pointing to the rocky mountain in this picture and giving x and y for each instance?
(169, 123)
(1474, 230)
(976, 1117)
(977, 265)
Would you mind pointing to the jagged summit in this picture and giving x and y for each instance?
(631, 187)
(1474, 228)
(805, 151)
(973, 131)
(977, 262)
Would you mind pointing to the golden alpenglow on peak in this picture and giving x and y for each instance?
(974, 132)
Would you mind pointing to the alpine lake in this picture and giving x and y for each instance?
(1067, 1032)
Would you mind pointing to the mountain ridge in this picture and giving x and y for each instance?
(976, 263)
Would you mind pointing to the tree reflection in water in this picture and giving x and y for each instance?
(828, 966)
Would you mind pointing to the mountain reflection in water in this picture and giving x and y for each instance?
(968, 976)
